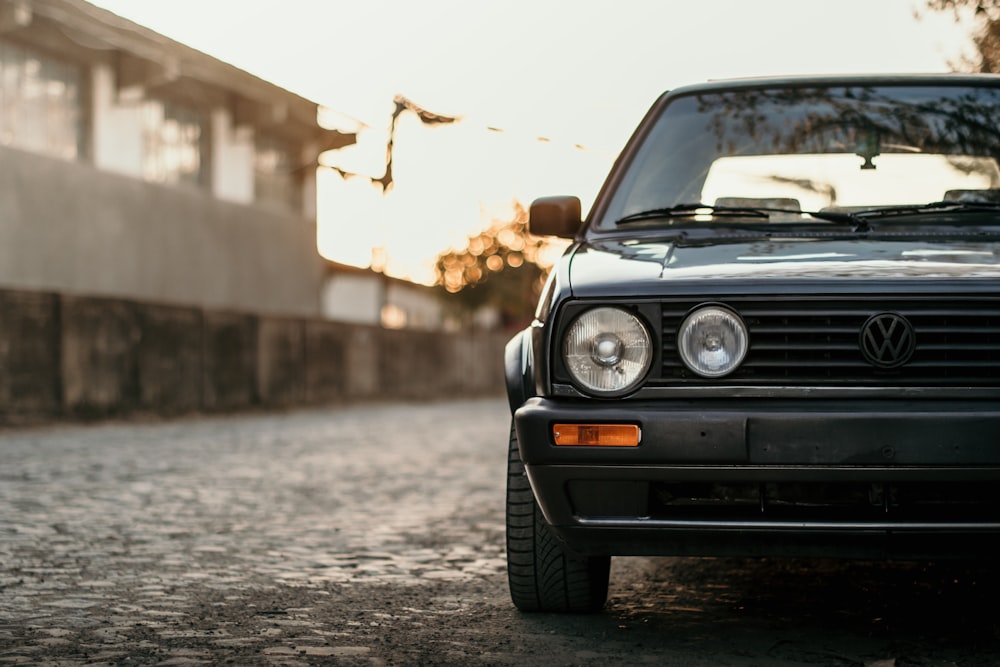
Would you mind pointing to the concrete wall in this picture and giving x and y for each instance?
(354, 297)
(366, 297)
(70, 356)
(71, 228)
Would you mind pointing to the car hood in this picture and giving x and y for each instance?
(600, 268)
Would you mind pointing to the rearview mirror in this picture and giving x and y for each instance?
(555, 216)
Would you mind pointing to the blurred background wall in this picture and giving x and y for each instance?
(71, 228)
(158, 240)
(69, 356)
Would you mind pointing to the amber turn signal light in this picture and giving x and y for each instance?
(597, 435)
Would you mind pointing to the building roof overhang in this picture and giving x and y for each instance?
(147, 63)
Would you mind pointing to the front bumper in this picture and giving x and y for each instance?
(864, 479)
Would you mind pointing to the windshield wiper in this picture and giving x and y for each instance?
(843, 217)
(916, 209)
(688, 210)
(857, 219)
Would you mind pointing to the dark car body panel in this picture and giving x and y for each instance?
(888, 444)
(877, 463)
(603, 268)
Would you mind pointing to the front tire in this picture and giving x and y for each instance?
(542, 574)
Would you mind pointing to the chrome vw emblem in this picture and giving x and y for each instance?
(887, 340)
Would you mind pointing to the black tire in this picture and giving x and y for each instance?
(543, 576)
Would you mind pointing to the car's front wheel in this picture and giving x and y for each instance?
(544, 576)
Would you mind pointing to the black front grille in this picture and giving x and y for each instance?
(814, 340)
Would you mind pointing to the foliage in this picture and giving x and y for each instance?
(987, 37)
(979, 6)
(503, 267)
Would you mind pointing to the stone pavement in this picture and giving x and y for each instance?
(182, 542)
(373, 535)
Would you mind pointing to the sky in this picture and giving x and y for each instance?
(546, 92)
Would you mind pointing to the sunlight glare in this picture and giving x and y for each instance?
(579, 74)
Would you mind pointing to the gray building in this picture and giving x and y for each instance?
(133, 166)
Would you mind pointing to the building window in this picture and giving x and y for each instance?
(174, 139)
(40, 107)
(274, 172)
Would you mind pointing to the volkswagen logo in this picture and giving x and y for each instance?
(887, 340)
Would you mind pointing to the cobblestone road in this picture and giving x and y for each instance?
(373, 535)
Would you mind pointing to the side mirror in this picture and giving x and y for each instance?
(555, 216)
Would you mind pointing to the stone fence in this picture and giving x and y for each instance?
(76, 357)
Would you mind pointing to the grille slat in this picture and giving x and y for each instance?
(801, 330)
(814, 340)
(956, 331)
(793, 346)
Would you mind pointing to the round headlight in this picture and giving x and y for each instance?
(712, 341)
(607, 350)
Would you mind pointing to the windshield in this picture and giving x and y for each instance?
(814, 149)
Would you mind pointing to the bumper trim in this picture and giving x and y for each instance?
(798, 526)
(823, 433)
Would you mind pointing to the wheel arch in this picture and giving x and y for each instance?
(518, 370)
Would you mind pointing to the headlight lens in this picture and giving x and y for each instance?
(713, 341)
(607, 350)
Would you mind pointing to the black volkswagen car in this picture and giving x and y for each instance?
(777, 332)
